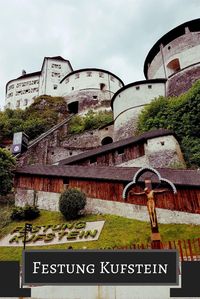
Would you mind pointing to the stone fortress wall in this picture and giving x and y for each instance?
(90, 88)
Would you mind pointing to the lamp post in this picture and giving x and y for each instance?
(27, 228)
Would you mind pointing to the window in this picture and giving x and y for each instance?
(169, 48)
(72, 87)
(18, 104)
(10, 94)
(149, 86)
(173, 66)
(94, 97)
(112, 78)
(55, 86)
(93, 160)
(54, 74)
(120, 151)
(101, 75)
(70, 153)
(11, 87)
(65, 183)
(89, 74)
(137, 87)
(56, 66)
(25, 102)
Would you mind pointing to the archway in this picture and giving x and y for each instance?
(106, 140)
(73, 107)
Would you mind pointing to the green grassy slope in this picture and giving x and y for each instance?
(117, 231)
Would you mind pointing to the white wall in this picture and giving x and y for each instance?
(20, 92)
(52, 73)
(101, 292)
(125, 105)
(186, 58)
(82, 80)
(50, 200)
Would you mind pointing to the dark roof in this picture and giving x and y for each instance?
(115, 145)
(151, 81)
(57, 58)
(29, 75)
(92, 69)
(193, 25)
(124, 174)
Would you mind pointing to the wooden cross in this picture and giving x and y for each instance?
(155, 235)
(149, 192)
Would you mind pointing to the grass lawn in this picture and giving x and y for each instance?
(117, 231)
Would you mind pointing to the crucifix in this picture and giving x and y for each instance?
(151, 207)
(150, 196)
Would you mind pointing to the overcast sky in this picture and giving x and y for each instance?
(115, 35)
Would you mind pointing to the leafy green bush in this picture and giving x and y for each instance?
(92, 120)
(7, 165)
(45, 112)
(25, 213)
(180, 114)
(71, 202)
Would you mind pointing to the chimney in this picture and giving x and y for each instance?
(23, 72)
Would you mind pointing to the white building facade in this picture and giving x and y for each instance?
(21, 92)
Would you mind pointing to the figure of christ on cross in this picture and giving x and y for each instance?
(151, 202)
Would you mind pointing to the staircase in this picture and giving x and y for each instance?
(50, 131)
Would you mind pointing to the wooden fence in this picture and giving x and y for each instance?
(189, 250)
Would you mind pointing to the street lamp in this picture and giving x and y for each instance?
(27, 228)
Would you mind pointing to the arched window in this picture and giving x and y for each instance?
(173, 66)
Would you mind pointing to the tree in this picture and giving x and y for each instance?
(7, 165)
(180, 114)
(71, 202)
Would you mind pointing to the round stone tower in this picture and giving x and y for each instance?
(128, 102)
(89, 88)
(176, 57)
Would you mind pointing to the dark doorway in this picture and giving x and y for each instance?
(106, 140)
(73, 107)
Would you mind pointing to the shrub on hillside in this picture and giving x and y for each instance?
(71, 202)
(180, 114)
(25, 213)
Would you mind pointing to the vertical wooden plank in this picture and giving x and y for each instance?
(190, 250)
(180, 250)
(185, 247)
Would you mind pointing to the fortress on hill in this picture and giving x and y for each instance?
(170, 68)
(100, 162)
